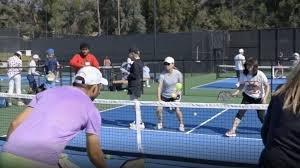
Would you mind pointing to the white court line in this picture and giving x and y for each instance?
(113, 108)
(171, 132)
(205, 122)
(196, 87)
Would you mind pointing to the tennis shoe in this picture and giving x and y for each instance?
(20, 103)
(181, 128)
(230, 133)
(159, 126)
(133, 126)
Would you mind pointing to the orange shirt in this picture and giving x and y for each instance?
(78, 61)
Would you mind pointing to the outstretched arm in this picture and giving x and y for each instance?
(94, 151)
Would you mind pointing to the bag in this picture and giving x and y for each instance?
(3, 102)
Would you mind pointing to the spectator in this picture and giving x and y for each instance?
(39, 134)
(281, 128)
(279, 67)
(125, 67)
(296, 59)
(120, 84)
(146, 75)
(32, 72)
(14, 64)
(51, 64)
(106, 61)
(107, 69)
(135, 80)
(49, 82)
(239, 64)
(84, 58)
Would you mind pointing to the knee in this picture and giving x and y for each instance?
(177, 110)
(240, 115)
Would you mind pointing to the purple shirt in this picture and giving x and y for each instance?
(58, 115)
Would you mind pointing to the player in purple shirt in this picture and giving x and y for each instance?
(40, 133)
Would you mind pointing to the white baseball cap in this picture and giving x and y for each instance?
(169, 60)
(241, 50)
(19, 52)
(50, 77)
(91, 76)
(35, 56)
(296, 54)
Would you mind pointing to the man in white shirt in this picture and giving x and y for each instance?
(146, 75)
(296, 59)
(239, 61)
(32, 72)
(14, 74)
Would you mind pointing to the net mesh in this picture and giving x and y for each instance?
(203, 138)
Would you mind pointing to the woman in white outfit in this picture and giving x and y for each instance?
(14, 64)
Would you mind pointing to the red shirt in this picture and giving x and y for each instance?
(78, 61)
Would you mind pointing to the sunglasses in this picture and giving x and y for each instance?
(166, 63)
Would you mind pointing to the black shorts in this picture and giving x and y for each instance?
(250, 100)
(169, 99)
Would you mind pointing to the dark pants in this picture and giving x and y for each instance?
(249, 100)
(32, 82)
(238, 74)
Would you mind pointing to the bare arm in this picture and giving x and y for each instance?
(267, 89)
(159, 91)
(238, 90)
(18, 120)
(94, 151)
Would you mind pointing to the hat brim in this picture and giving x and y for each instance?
(50, 79)
(103, 81)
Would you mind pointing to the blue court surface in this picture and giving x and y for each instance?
(81, 160)
(203, 139)
(230, 83)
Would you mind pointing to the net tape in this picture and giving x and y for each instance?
(160, 103)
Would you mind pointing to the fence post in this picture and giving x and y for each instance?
(70, 75)
(60, 75)
(183, 76)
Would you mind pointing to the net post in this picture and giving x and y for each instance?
(272, 75)
(138, 121)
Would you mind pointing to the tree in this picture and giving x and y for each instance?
(136, 16)
(131, 18)
(133, 21)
